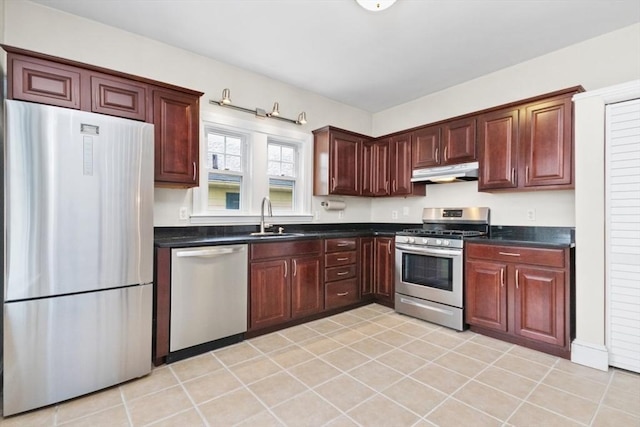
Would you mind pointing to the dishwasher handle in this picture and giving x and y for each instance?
(210, 252)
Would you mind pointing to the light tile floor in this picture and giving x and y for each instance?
(367, 367)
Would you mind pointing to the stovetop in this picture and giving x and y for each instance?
(449, 234)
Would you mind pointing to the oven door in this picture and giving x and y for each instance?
(433, 274)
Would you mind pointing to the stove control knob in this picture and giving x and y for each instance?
(446, 242)
(438, 242)
(425, 241)
(410, 240)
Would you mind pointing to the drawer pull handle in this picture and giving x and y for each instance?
(342, 259)
(342, 273)
(508, 253)
(342, 294)
(341, 245)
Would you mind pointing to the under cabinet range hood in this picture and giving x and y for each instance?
(444, 174)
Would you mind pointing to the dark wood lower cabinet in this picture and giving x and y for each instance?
(522, 295)
(285, 282)
(270, 293)
(384, 268)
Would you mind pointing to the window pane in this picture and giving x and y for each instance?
(233, 146)
(224, 191)
(233, 163)
(288, 154)
(281, 193)
(287, 169)
(273, 152)
(273, 168)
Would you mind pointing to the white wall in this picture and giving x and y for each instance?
(599, 62)
(41, 29)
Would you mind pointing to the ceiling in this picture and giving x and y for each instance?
(369, 60)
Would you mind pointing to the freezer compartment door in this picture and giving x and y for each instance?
(62, 347)
(79, 201)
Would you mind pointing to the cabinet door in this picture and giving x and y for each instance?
(400, 165)
(498, 149)
(425, 147)
(548, 143)
(539, 304)
(118, 97)
(459, 141)
(44, 82)
(307, 294)
(366, 265)
(270, 293)
(175, 118)
(375, 168)
(486, 294)
(384, 268)
(344, 164)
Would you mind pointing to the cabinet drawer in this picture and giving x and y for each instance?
(518, 254)
(339, 273)
(340, 258)
(341, 293)
(284, 249)
(340, 245)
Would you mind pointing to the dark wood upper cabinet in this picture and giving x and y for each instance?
(528, 146)
(118, 97)
(400, 165)
(176, 138)
(548, 143)
(337, 162)
(174, 111)
(498, 149)
(448, 143)
(375, 168)
(45, 82)
(425, 147)
(459, 141)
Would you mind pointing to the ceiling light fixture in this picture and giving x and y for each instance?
(225, 101)
(375, 5)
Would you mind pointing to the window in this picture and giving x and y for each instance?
(282, 161)
(246, 161)
(225, 170)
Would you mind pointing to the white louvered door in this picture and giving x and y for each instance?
(623, 233)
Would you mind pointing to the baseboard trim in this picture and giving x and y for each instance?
(591, 355)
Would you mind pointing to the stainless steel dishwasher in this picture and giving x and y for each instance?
(208, 294)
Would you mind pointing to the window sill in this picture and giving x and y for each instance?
(208, 219)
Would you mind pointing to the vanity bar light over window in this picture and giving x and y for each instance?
(258, 112)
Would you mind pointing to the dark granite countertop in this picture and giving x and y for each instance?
(180, 237)
(546, 237)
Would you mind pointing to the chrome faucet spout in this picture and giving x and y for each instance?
(267, 202)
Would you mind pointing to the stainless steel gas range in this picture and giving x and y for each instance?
(430, 265)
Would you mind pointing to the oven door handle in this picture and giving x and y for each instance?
(428, 251)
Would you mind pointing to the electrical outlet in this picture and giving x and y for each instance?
(531, 214)
(184, 213)
(405, 211)
(394, 214)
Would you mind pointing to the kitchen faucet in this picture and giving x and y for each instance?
(262, 224)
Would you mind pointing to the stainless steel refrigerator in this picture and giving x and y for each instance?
(78, 253)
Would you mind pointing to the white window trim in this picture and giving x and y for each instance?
(251, 215)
